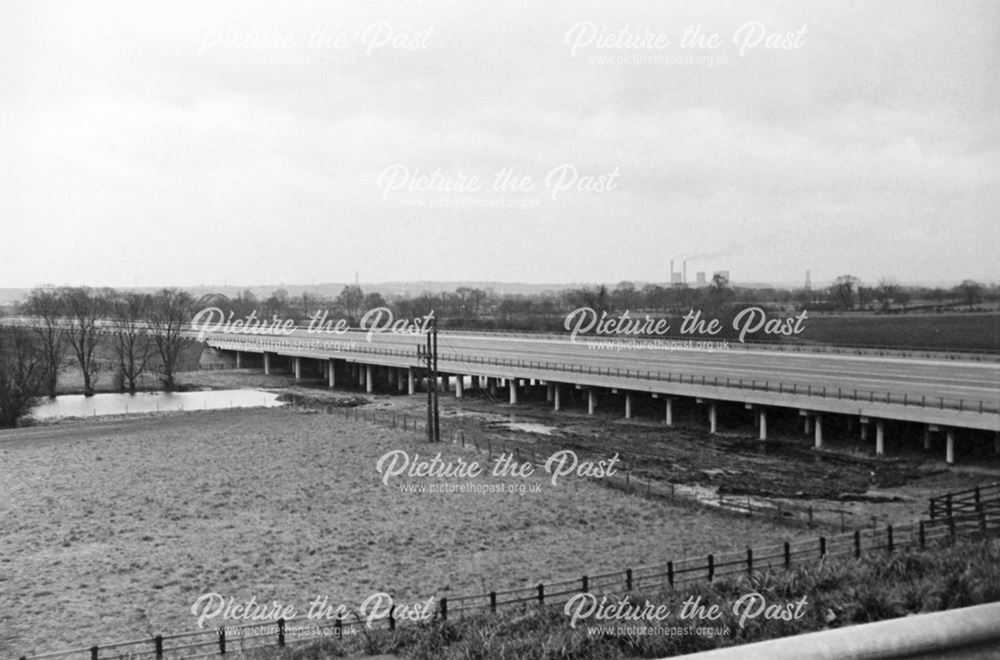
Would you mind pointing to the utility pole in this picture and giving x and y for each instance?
(429, 355)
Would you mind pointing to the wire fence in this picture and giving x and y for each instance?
(785, 556)
(974, 511)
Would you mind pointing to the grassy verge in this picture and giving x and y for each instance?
(837, 593)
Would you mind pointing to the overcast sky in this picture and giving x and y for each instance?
(256, 143)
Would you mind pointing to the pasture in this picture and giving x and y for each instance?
(112, 529)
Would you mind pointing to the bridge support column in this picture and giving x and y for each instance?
(555, 396)
(239, 359)
(548, 392)
(927, 436)
(670, 412)
(763, 424)
(713, 417)
(864, 431)
(445, 384)
(297, 366)
(512, 383)
(491, 385)
(331, 378)
(879, 438)
(591, 401)
(808, 424)
(949, 456)
(818, 439)
(459, 385)
(267, 364)
(628, 405)
(369, 379)
(411, 386)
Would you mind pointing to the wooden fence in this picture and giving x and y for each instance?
(981, 517)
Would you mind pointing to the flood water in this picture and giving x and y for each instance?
(77, 405)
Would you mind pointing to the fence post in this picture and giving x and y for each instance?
(822, 546)
(888, 533)
(711, 568)
(750, 562)
(951, 528)
(158, 645)
(947, 505)
(628, 579)
(444, 609)
(281, 631)
(222, 641)
(585, 584)
(541, 593)
(93, 653)
(670, 574)
(788, 554)
(923, 538)
(493, 602)
(857, 544)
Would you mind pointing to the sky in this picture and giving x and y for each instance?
(248, 143)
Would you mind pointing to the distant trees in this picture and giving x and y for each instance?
(22, 374)
(169, 311)
(843, 290)
(84, 308)
(971, 292)
(46, 306)
(350, 300)
(132, 344)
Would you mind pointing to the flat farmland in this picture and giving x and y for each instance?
(112, 529)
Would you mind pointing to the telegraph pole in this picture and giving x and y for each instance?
(429, 355)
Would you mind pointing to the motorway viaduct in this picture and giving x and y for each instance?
(942, 394)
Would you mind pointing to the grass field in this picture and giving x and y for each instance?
(970, 332)
(112, 529)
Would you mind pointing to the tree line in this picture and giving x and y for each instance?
(76, 325)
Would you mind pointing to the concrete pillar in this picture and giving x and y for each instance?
(949, 456)
(818, 442)
(713, 417)
(879, 438)
(369, 379)
(927, 436)
(459, 385)
(239, 359)
(330, 373)
(591, 401)
(670, 411)
(491, 384)
(555, 396)
(808, 424)
(628, 405)
(400, 380)
(411, 386)
(548, 392)
(763, 424)
(267, 364)
(445, 385)
(361, 375)
(864, 431)
(297, 365)
(513, 390)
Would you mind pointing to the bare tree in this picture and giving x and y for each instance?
(350, 299)
(129, 310)
(84, 308)
(887, 291)
(22, 374)
(843, 290)
(45, 305)
(971, 292)
(169, 312)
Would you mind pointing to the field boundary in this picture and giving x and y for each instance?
(981, 518)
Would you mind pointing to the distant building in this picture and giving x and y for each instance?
(700, 278)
